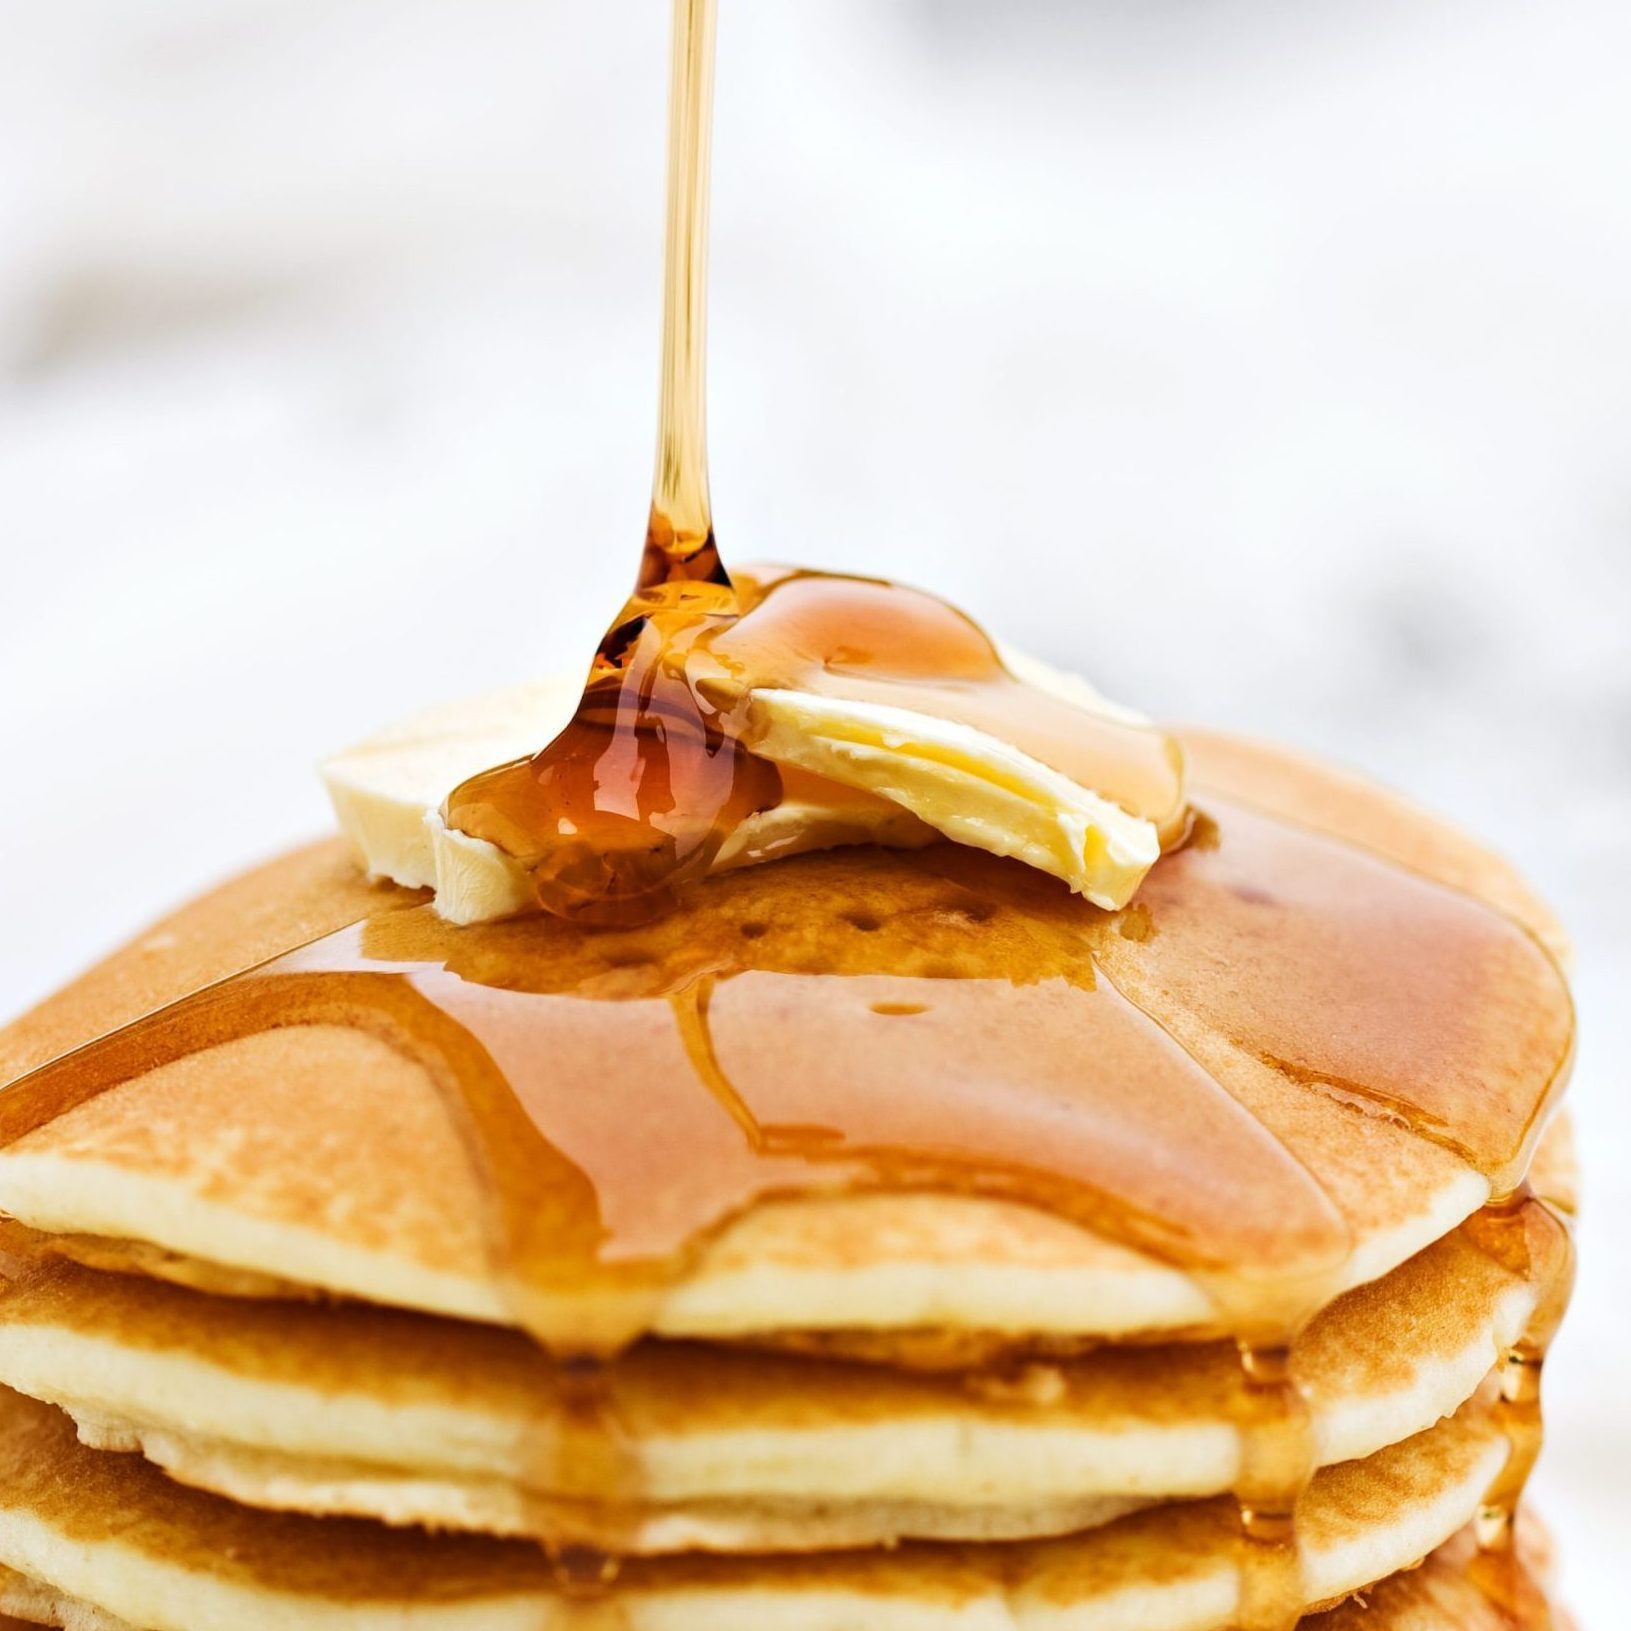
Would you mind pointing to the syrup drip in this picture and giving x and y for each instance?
(1534, 1244)
(640, 790)
(1277, 1465)
(594, 1460)
(1528, 1237)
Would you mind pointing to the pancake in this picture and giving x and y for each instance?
(1448, 1592)
(408, 1418)
(1439, 1595)
(243, 1161)
(110, 1531)
(873, 1239)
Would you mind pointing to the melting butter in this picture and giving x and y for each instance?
(387, 793)
(887, 716)
(965, 784)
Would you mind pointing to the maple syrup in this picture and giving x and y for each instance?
(1277, 1463)
(1529, 1237)
(640, 790)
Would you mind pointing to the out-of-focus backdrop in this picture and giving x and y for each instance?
(1269, 362)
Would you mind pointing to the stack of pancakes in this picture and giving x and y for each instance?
(263, 1368)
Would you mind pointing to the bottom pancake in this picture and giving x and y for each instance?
(1441, 1594)
(1453, 1591)
(88, 1531)
(1437, 1596)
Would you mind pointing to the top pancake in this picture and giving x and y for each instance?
(323, 1155)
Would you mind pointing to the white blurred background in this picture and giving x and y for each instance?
(1271, 362)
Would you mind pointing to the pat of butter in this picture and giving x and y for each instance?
(388, 791)
(966, 785)
(854, 773)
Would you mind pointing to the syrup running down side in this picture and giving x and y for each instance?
(1529, 1236)
(624, 1092)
